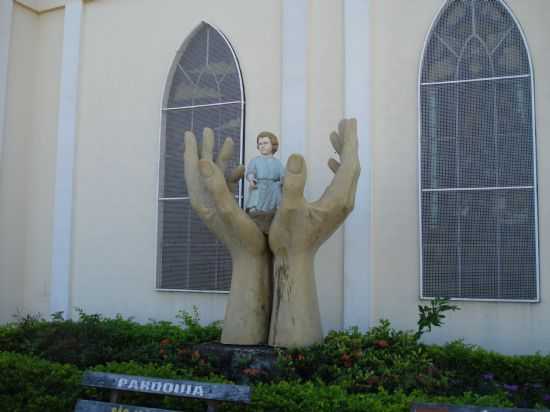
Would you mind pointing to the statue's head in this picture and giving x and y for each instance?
(263, 136)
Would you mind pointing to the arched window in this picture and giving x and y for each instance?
(478, 193)
(204, 89)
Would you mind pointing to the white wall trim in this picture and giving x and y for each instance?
(6, 13)
(358, 229)
(294, 78)
(60, 288)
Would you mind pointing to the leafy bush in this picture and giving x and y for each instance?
(307, 397)
(526, 379)
(349, 367)
(94, 339)
(30, 384)
(381, 358)
(394, 361)
(34, 385)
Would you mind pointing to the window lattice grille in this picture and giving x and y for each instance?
(204, 90)
(478, 183)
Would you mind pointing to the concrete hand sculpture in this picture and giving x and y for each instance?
(298, 230)
(296, 233)
(247, 313)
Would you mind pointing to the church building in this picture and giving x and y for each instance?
(453, 114)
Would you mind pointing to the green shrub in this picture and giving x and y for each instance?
(94, 339)
(307, 397)
(358, 365)
(526, 379)
(35, 385)
(381, 358)
(390, 360)
(29, 384)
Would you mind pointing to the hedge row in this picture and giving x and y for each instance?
(94, 339)
(469, 363)
(395, 360)
(382, 360)
(31, 384)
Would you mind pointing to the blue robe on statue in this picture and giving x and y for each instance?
(268, 173)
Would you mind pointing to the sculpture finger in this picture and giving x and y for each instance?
(226, 153)
(236, 175)
(214, 181)
(334, 165)
(207, 144)
(205, 213)
(190, 152)
(348, 136)
(339, 197)
(342, 127)
(294, 182)
(336, 142)
(190, 163)
(233, 225)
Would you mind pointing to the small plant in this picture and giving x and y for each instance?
(194, 331)
(57, 316)
(433, 315)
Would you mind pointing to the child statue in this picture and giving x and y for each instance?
(265, 177)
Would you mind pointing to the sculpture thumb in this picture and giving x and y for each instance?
(294, 180)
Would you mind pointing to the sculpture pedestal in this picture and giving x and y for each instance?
(240, 363)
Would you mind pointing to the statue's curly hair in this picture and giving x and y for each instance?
(274, 140)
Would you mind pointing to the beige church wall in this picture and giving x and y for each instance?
(28, 163)
(127, 49)
(41, 158)
(13, 170)
(325, 109)
(42, 6)
(400, 28)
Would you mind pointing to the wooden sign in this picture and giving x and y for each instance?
(186, 389)
(94, 406)
(463, 408)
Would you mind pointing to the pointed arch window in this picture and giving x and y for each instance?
(204, 89)
(478, 187)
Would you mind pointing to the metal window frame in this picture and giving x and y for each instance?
(434, 23)
(168, 80)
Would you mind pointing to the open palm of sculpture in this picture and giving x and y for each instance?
(273, 294)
